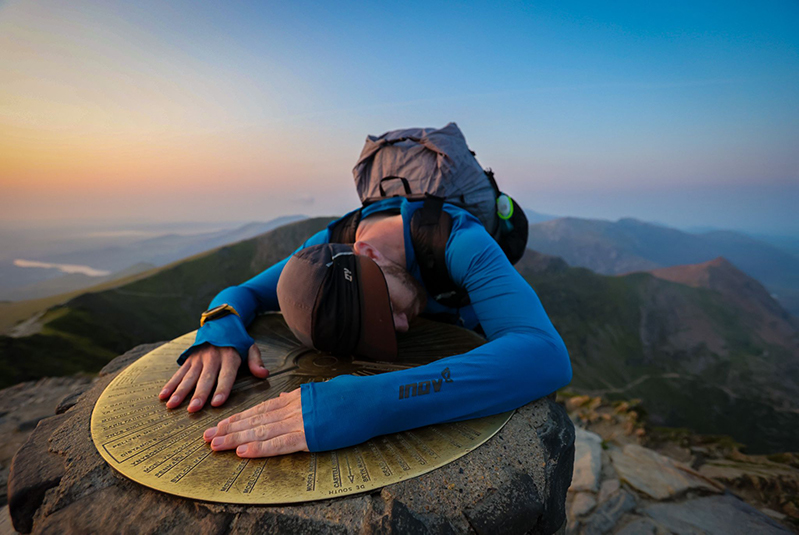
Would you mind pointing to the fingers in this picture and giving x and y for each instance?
(210, 369)
(269, 405)
(288, 443)
(274, 427)
(265, 440)
(226, 426)
(286, 406)
(252, 434)
(186, 384)
(256, 363)
(227, 376)
(170, 385)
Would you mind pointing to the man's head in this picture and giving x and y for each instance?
(338, 301)
(408, 296)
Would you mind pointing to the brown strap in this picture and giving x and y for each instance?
(430, 230)
(343, 230)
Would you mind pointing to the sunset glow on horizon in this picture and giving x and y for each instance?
(684, 114)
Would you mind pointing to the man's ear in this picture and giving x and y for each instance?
(368, 250)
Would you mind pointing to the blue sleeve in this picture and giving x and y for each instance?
(259, 294)
(524, 360)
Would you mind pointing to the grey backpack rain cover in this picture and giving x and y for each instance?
(438, 162)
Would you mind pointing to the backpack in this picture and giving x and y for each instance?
(434, 166)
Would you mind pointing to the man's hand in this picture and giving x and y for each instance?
(274, 427)
(208, 366)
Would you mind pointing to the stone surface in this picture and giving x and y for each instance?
(608, 514)
(713, 515)
(584, 503)
(515, 483)
(656, 475)
(641, 526)
(607, 489)
(587, 460)
(22, 406)
(759, 481)
(34, 471)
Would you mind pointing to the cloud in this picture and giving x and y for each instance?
(305, 200)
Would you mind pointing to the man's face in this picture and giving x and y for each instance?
(408, 297)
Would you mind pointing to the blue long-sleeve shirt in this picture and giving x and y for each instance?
(524, 359)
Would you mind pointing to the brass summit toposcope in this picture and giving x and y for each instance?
(164, 449)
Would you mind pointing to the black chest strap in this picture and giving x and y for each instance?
(343, 231)
(430, 230)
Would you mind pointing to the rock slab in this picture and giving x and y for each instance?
(656, 475)
(515, 483)
(713, 515)
(587, 461)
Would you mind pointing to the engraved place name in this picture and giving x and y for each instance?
(446, 437)
(381, 461)
(362, 470)
(232, 479)
(143, 440)
(310, 479)
(176, 442)
(410, 449)
(390, 447)
(420, 445)
(185, 471)
(466, 431)
(336, 469)
(176, 460)
(130, 417)
(253, 479)
(125, 430)
(123, 404)
(172, 450)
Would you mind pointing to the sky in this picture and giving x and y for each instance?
(682, 113)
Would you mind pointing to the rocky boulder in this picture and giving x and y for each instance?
(515, 483)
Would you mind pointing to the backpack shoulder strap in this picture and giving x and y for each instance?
(430, 230)
(343, 230)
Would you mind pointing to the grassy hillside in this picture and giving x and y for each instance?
(84, 332)
(626, 245)
(694, 360)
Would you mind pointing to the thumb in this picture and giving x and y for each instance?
(255, 362)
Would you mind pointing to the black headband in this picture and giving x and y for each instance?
(336, 316)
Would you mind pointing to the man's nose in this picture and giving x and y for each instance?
(400, 322)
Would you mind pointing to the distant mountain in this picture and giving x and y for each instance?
(537, 217)
(628, 245)
(717, 354)
(167, 248)
(765, 315)
(69, 283)
(18, 283)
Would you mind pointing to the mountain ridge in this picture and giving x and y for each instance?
(630, 245)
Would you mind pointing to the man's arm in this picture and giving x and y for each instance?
(222, 344)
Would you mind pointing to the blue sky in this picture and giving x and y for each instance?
(682, 113)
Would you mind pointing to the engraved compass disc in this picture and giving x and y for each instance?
(164, 449)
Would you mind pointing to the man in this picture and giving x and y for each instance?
(524, 358)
